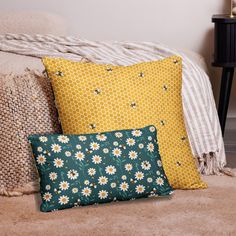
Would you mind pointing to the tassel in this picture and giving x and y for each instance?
(207, 165)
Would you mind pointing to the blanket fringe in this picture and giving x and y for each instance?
(208, 165)
(228, 171)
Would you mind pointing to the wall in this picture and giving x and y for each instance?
(180, 24)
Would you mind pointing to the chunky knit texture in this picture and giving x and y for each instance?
(26, 107)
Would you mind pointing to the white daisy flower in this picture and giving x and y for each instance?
(130, 142)
(159, 163)
(139, 189)
(94, 146)
(113, 185)
(58, 163)
(72, 174)
(123, 177)
(149, 138)
(68, 154)
(139, 175)
(75, 190)
(64, 185)
(41, 159)
(146, 165)
(86, 191)
(79, 156)
(160, 181)
(124, 186)
(136, 133)
(110, 170)
(47, 187)
(128, 167)
(63, 200)
(115, 143)
(47, 196)
(78, 146)
(101, 137)
(86, 182)
(141, 146)
(149, 180)
(96, 159)
(43, 139)
(39, 149)
(133, 155)
(116, 152)
(82, 138)
(118, 134)
(56, 148)
(105, 150)
(103, 194)
(152, 129)
(150, 147)
(53, 176)
(91, 171)
(63, 139)
(102, 180)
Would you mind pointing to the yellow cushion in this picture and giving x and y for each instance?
(96, 98)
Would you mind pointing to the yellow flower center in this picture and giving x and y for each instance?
(63, 200)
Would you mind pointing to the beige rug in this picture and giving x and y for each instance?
(202, 212)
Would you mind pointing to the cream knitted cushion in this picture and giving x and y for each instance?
(26, 107)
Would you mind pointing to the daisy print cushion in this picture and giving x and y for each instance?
(78, 170)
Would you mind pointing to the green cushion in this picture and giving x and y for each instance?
(77, 170)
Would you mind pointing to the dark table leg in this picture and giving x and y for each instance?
(225, 89)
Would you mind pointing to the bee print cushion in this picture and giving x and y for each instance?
(78, 170)
(94, 98)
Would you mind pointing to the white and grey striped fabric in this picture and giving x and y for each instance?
(198, 103)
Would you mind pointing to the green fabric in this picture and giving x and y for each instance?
(86, 169)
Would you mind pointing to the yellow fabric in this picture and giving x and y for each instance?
(96, 98)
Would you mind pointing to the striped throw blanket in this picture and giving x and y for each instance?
(198, 103)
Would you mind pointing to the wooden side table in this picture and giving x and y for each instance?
(225, 57)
